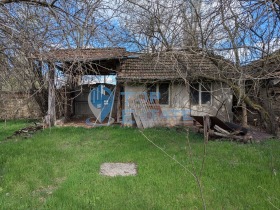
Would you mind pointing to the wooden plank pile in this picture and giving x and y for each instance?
(146, 113)
(214, 127)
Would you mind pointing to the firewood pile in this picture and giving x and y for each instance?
(27, 131)
(214, 127)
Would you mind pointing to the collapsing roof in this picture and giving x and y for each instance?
(171, 65)
(84, 54)
(264, 68)
(87, 61)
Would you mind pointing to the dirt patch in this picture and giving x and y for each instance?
(259, 136)
(81, 122)
(118, 169)
(44, 191)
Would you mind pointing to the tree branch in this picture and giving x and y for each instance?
(34, 2)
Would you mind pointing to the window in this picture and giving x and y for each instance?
(200, 93)
(159, 91)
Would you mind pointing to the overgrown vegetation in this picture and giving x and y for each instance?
(244, 32)
(58, 168)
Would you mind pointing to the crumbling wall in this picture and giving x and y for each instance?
(179, 110)
(18, 105)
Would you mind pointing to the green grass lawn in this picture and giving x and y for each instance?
(58, 168)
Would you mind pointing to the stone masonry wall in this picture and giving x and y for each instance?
(18, 105)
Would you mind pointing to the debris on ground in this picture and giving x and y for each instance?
(259, 135)
(214, 127)
(27, 131)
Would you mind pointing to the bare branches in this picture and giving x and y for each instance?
(31, 28)
(32, 2)
(240, 31)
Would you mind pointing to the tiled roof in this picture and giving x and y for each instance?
(170, 66)
(87, 54)
(265, 68)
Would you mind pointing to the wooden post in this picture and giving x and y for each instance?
(244, 115)
(118, 98)
(206, 127)
(67, 104)
(51, 97)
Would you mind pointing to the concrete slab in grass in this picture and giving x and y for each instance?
(118, 169)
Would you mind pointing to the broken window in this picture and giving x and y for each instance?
(194, 91)
(200, 93)
(159, 91)
(163, 89)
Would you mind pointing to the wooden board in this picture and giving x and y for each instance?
(214, 121)
(224, 126)
(147, 114)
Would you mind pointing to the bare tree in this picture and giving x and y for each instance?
(240, 31)
(29, 29)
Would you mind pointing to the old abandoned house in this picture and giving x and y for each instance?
(263, 86)
(178, 79)
(174, 81)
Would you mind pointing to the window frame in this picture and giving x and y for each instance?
(157, 91)
(200, 85)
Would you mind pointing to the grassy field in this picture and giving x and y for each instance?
(58, 168)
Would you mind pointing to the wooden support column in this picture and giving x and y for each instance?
(118, 97)
(67, 104)
(51, 97)
(244, 115)
(206, 127)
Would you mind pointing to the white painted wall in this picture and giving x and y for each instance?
(178, 111)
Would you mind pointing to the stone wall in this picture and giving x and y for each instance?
(18, 105)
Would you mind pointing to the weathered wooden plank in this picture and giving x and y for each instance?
(51, 117)
(228, 136)
(206, 127)
(147, 113)
(144, 114)
(219, 129)
(138, 120)
(135, 113)
(119, 108)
